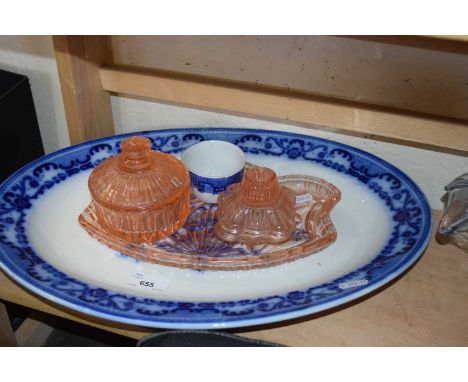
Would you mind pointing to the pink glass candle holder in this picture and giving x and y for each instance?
(256, 211)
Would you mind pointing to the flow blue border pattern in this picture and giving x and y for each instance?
(407, 204)
(214, 185)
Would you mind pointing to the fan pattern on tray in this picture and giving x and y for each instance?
(411, 222)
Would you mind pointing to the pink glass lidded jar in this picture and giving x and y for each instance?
(140, 195)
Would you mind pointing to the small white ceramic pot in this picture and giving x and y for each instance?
(213, 166)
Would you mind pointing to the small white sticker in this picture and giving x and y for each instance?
(304, 198)
(153, 282)
(353, 284)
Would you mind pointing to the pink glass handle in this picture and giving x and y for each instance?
(312, 220)
(297, 218)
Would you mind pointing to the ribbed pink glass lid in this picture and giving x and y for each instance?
(138, 177)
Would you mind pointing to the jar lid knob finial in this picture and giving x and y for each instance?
(135, 154)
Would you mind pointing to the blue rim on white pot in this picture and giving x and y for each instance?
(213, 166)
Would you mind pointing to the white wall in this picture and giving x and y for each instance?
(34, 57)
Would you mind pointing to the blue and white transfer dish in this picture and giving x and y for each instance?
(383, 222)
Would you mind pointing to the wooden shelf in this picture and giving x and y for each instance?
(89, 74)
(260, 101)
(460, 38)
(427, 306)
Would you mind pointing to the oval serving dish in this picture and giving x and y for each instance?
(383, 222)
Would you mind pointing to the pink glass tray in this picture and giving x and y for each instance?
(196, 247)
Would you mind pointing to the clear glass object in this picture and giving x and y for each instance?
(140, 195)
(256, 211)
(453, 227)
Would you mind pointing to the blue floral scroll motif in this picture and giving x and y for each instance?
(214, 185)
(175, 143)
(410, 233)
